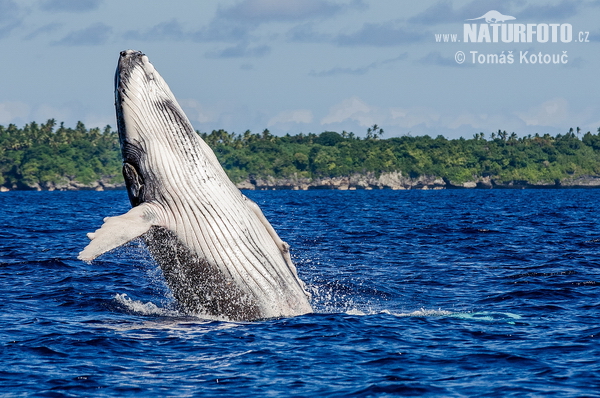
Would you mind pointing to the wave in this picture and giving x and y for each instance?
(142, 308)
(488, 316)
(150, 309)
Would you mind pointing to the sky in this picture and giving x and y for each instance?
(308, 66)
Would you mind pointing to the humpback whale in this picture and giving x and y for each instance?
(220, 256)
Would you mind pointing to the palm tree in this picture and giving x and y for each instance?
(374, 132)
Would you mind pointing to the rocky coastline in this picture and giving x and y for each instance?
(67, 184)
(398, 181)
(367, 181)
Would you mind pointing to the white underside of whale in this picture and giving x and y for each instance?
(195, 200)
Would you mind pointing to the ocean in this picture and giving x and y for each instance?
(451, 293)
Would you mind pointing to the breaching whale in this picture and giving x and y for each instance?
(220, 256)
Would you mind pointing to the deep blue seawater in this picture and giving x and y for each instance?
(417, 293)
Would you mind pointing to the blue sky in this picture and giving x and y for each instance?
(304, 65)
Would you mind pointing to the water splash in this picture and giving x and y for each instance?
(141, 308)
(486, 316)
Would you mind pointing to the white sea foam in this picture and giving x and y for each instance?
(356, 312)
(139, 307)
(150, 308)
(418, 313)
(470, 316)
(423, 313)
(487, 316)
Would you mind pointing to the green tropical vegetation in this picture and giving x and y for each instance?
(41, 155)
(505, 157)
(47, 155)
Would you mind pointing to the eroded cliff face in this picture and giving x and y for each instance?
(394, 180)
(66, 184)
(398, 181)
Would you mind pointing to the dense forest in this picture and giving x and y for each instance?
(41, 156)
(44, 156)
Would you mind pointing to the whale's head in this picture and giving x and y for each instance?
(140, 95)
(157, 139)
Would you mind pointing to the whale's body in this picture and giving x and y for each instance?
(220, 256)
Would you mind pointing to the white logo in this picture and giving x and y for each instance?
(495, 27)
(494, 16)
(496, 30)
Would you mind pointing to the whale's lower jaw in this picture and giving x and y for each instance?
(201, 289)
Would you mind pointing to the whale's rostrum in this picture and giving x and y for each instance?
(220, 256)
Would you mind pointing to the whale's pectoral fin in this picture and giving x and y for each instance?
(284, 248)
(118, 230)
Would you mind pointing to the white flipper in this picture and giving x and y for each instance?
(116, 231)
(284, 248)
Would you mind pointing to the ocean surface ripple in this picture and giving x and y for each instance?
(417, 293)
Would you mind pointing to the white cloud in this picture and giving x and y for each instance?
(550, 113)
(19, 113)
(381, 35)
(70, 5)
(44, 112)
(352, 108)
(468, 119)
(240, 50)
(100, 121)
(338, 70)
(93, 35)
(171, 30)
(11, 16)
(414, 116)
(259, 11)
(12, 110)
(354, 114)
(291, 116)
(195, 111)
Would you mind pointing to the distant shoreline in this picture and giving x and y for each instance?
(50, 156)
(398, 181)
(393, 181)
